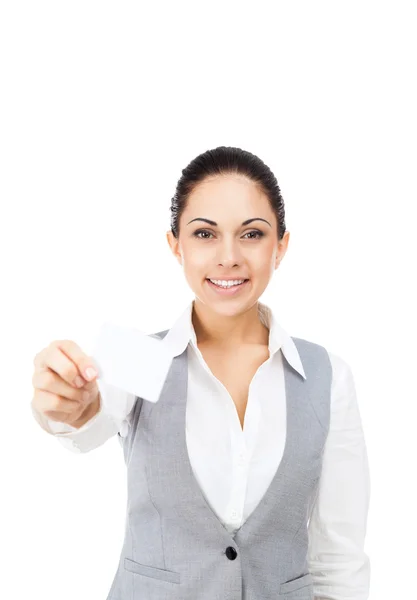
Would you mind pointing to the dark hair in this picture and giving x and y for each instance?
(220, 161)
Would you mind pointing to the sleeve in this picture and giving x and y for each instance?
(112, 417)
(337, 528)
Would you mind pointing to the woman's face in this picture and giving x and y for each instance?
(226, 248)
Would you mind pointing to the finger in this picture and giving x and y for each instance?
(66, 358)
(49, 381)
(58, 408)
(83, 362)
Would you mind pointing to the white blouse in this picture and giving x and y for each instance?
(235, 466)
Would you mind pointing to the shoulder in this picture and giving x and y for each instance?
(343, 382)
(341, 369)
(344, 402)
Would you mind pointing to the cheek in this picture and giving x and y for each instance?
(262, 259)
(195, 262)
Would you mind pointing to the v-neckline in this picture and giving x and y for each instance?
(180, 376)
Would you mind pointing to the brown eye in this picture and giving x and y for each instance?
(259, 234)
(256, 233)
(201, 231)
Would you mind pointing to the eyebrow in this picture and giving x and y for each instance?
(215, 224)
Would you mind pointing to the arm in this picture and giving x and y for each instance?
(102, 420)
(337, 528)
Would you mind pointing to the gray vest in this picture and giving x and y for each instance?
(175, 546)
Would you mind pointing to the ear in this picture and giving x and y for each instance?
(174, 245)
(282, 249)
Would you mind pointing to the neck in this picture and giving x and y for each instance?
(227, 331)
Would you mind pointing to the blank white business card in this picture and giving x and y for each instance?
(132, 360)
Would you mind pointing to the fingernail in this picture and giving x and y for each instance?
(90, 373)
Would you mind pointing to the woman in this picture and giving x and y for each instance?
(249, 478)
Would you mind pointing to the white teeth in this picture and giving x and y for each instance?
(227, 284)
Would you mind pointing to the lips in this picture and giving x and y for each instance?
(227, 291)
(227, 280)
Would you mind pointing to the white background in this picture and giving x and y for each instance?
(102, 105)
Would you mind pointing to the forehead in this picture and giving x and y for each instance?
(227, 194)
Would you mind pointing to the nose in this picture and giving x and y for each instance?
(229, 254)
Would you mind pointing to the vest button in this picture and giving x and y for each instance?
(231, 553)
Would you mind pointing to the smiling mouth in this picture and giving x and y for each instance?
(227, 281)
(227, 288)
